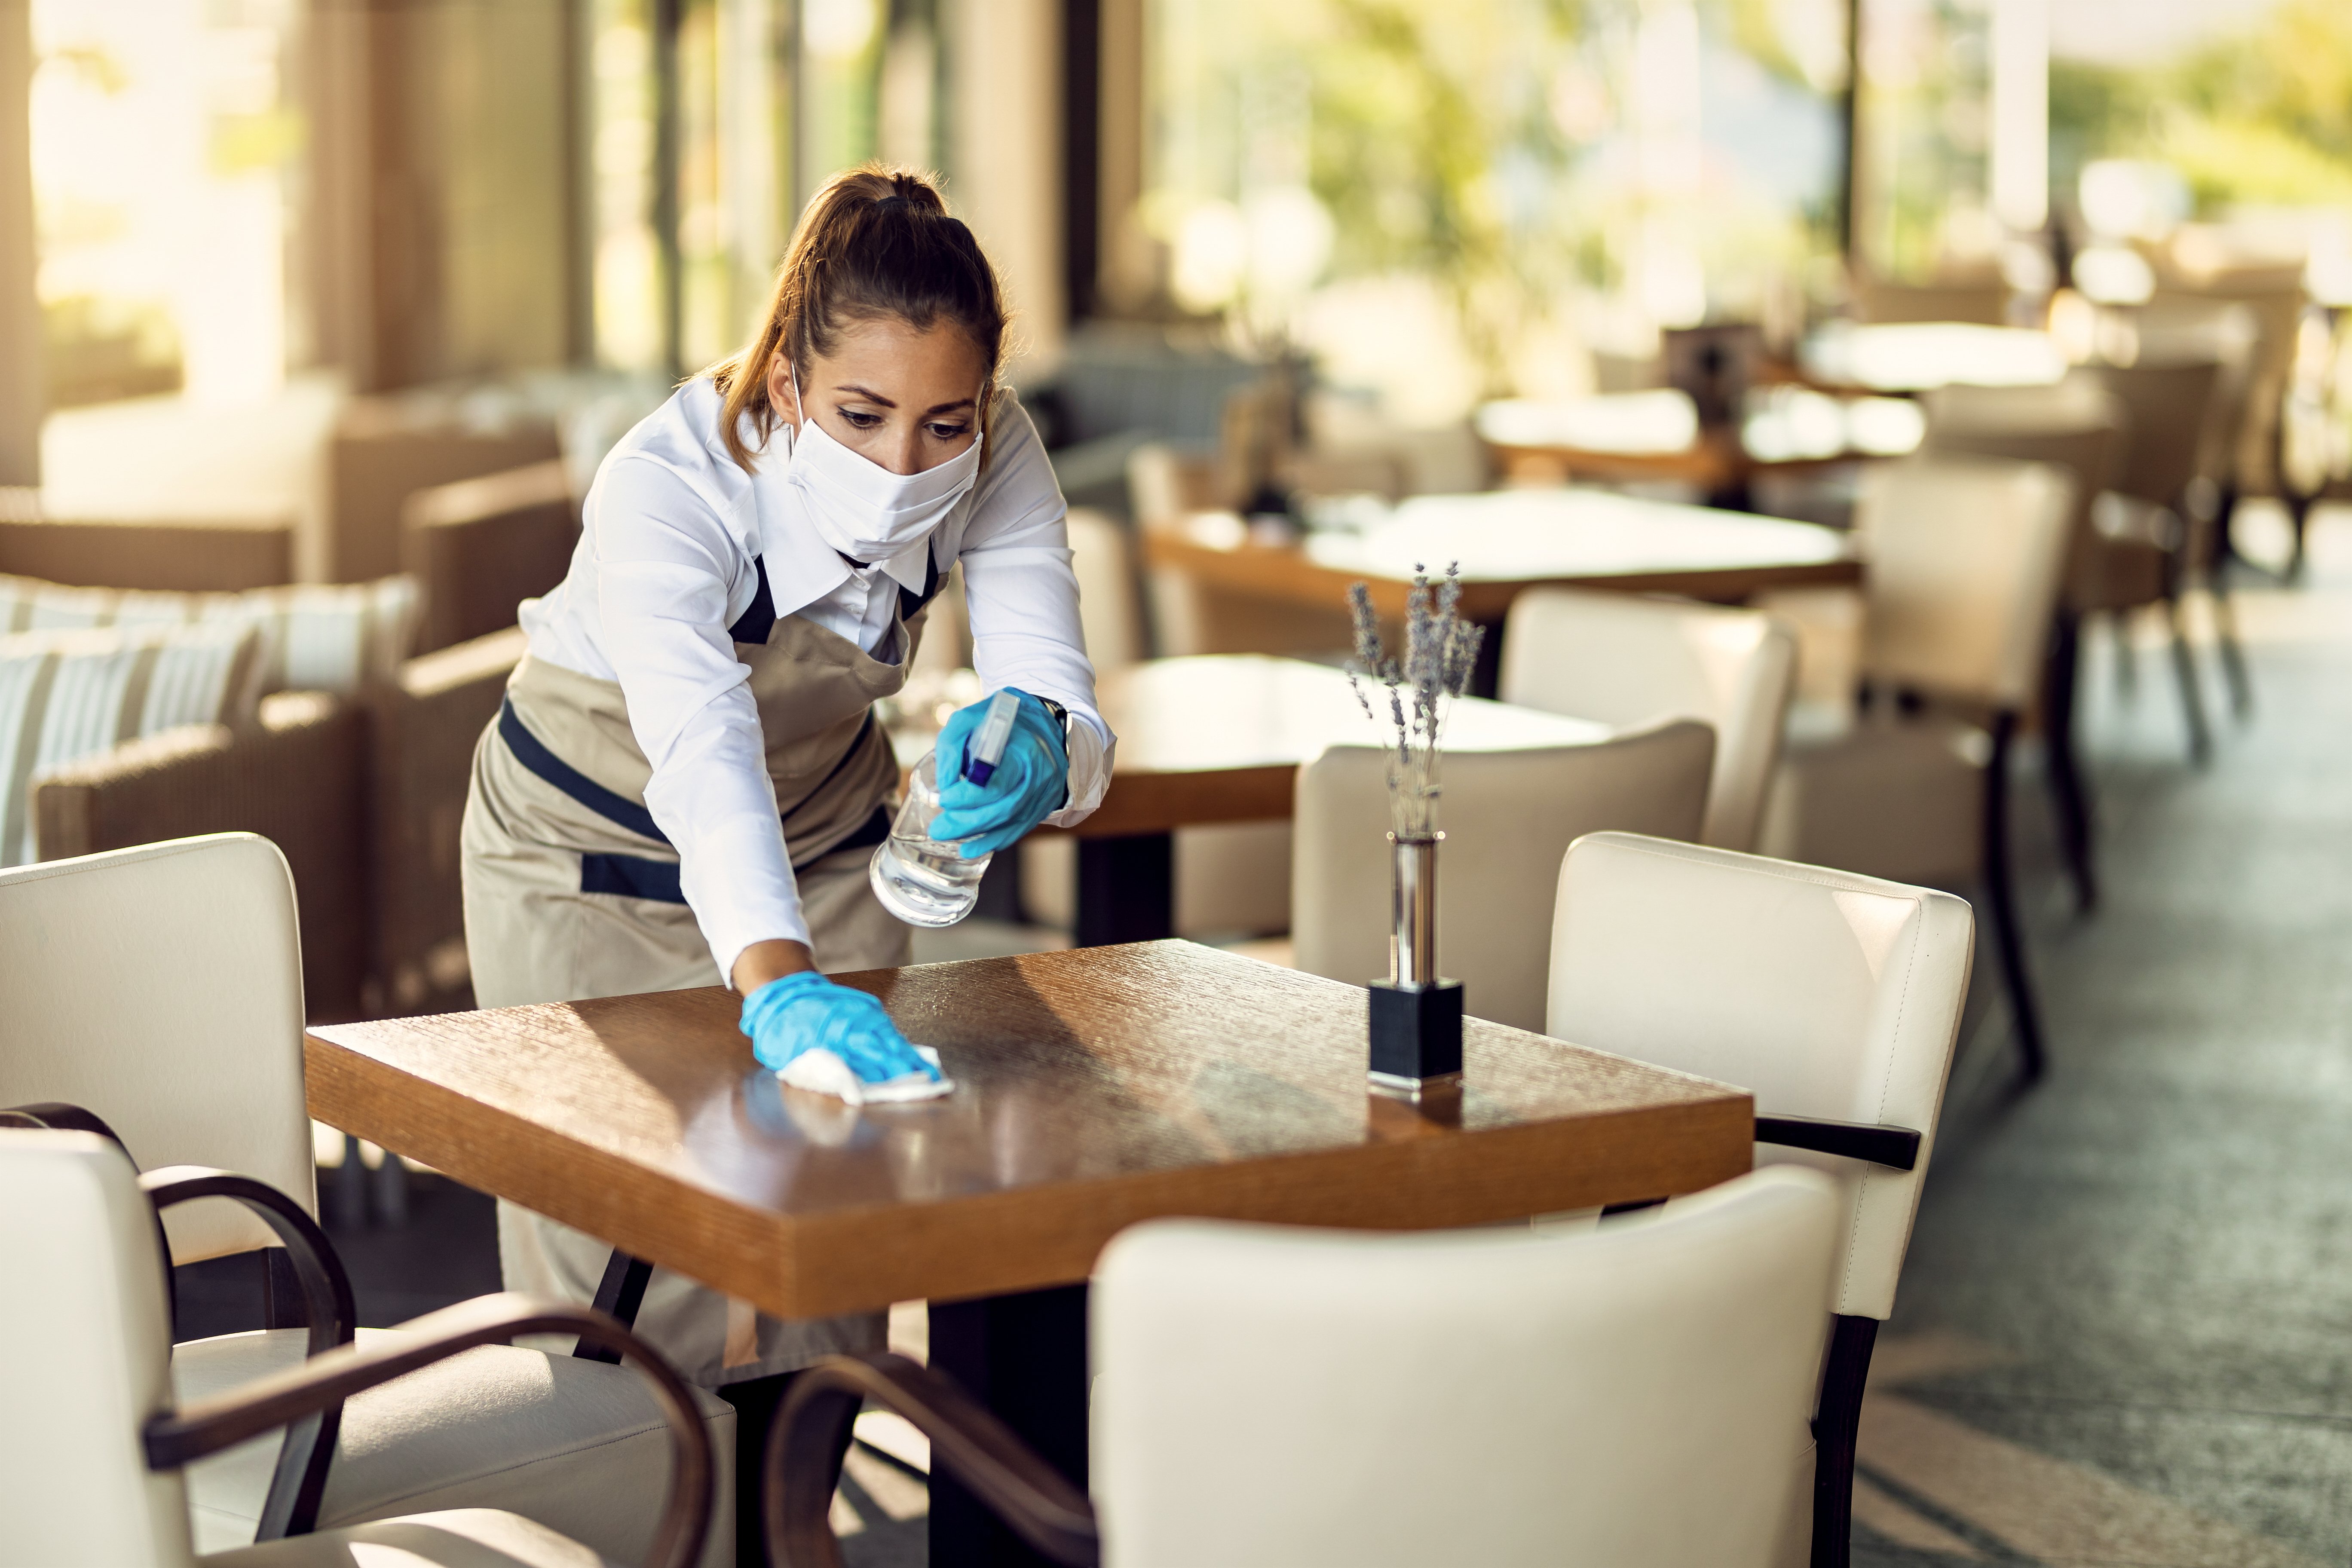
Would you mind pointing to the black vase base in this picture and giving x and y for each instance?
(1416, 1036)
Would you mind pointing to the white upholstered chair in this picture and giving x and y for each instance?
(1508, 817)
(1624, 659)
(1231, 880)
(1269, 1397)
(94, 1437)
(1835, 1000)
(1966, 558)
(161, 989)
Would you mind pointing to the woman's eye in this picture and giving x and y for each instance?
(948, 432)
(859, 421)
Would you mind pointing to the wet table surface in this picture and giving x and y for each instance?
(1095, 1089)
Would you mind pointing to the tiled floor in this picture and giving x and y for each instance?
(2124, 1336)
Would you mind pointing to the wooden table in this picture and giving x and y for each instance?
(1095, 1089)
(1510, 541)
(1920, 356)
(1221, 738)
(1531, 445)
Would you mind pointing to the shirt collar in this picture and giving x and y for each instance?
(801, 567)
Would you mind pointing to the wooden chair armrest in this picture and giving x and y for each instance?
(1040, 1504)
(181, 1438)
(1897, 1147)
(300, 1483)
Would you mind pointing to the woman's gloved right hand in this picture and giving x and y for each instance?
(805, 1011)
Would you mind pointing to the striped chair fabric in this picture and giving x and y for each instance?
(67, 695)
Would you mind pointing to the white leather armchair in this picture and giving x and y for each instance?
(1835, 999)
(1269, 1397)
(160, 988)
(93, 1440)
(1624, 659)
(1508, 817)
(1966, 556)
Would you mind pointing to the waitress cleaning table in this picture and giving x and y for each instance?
(685, 780)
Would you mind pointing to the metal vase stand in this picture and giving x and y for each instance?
(1416, 1018)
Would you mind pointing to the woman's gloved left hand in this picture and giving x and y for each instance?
(1031, 781)
(806, 1012)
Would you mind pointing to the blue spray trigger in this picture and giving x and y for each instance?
(987, 747)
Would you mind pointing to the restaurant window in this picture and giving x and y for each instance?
(712, 123)
(1442, 204)
(164, 152)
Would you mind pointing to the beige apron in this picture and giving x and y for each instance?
(572, 892)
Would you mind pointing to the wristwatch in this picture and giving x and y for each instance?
(1061, 714)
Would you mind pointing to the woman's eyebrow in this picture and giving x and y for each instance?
(947, 407)
(868, 394)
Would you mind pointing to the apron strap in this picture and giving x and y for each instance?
(638, 876)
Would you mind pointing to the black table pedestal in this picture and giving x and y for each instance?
(1024, 1357)
(1127, 889)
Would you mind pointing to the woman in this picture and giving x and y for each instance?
(687, 779)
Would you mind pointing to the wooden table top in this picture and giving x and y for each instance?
(1509, 541)
(1221, 737)
(1919, 356)
(1791, 429)
(1095, 1089)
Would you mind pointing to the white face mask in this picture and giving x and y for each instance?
(862, 509)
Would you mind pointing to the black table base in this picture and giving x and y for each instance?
(1024, 1357)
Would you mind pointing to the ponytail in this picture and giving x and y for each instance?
(876, 244)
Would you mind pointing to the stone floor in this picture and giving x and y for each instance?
(2125, 1333)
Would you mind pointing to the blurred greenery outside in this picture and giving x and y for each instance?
(1526, 180)
(2260, 118)
(1550, 170)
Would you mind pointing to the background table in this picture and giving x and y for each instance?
(1221, 738)
(1095, 1088)
(1920, 356)
(1508, 542)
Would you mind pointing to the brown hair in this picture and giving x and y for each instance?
(875, 242)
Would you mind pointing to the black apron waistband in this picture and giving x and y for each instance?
(636, 876)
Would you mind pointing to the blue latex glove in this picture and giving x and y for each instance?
(802, 1012)
(1030, 783)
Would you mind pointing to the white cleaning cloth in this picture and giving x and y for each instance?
(826, 1073)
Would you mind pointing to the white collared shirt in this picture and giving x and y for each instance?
(665, 565)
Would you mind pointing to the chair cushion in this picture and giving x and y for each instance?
(460, 1538)
(69, 695)
(578, 1446)
(314, 637)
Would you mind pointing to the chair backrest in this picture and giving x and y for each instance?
(1508, 817)
(1825, 994)
(1631, 1396)
(1110, 608)
(161, 988)
(1626, 660)
(2170, 406)
(85, 1354)
(2076, 425)
(1965, 563)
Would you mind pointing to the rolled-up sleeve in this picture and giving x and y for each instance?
(665, 565)
(1023, 600)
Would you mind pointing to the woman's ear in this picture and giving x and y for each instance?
(781, 396)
